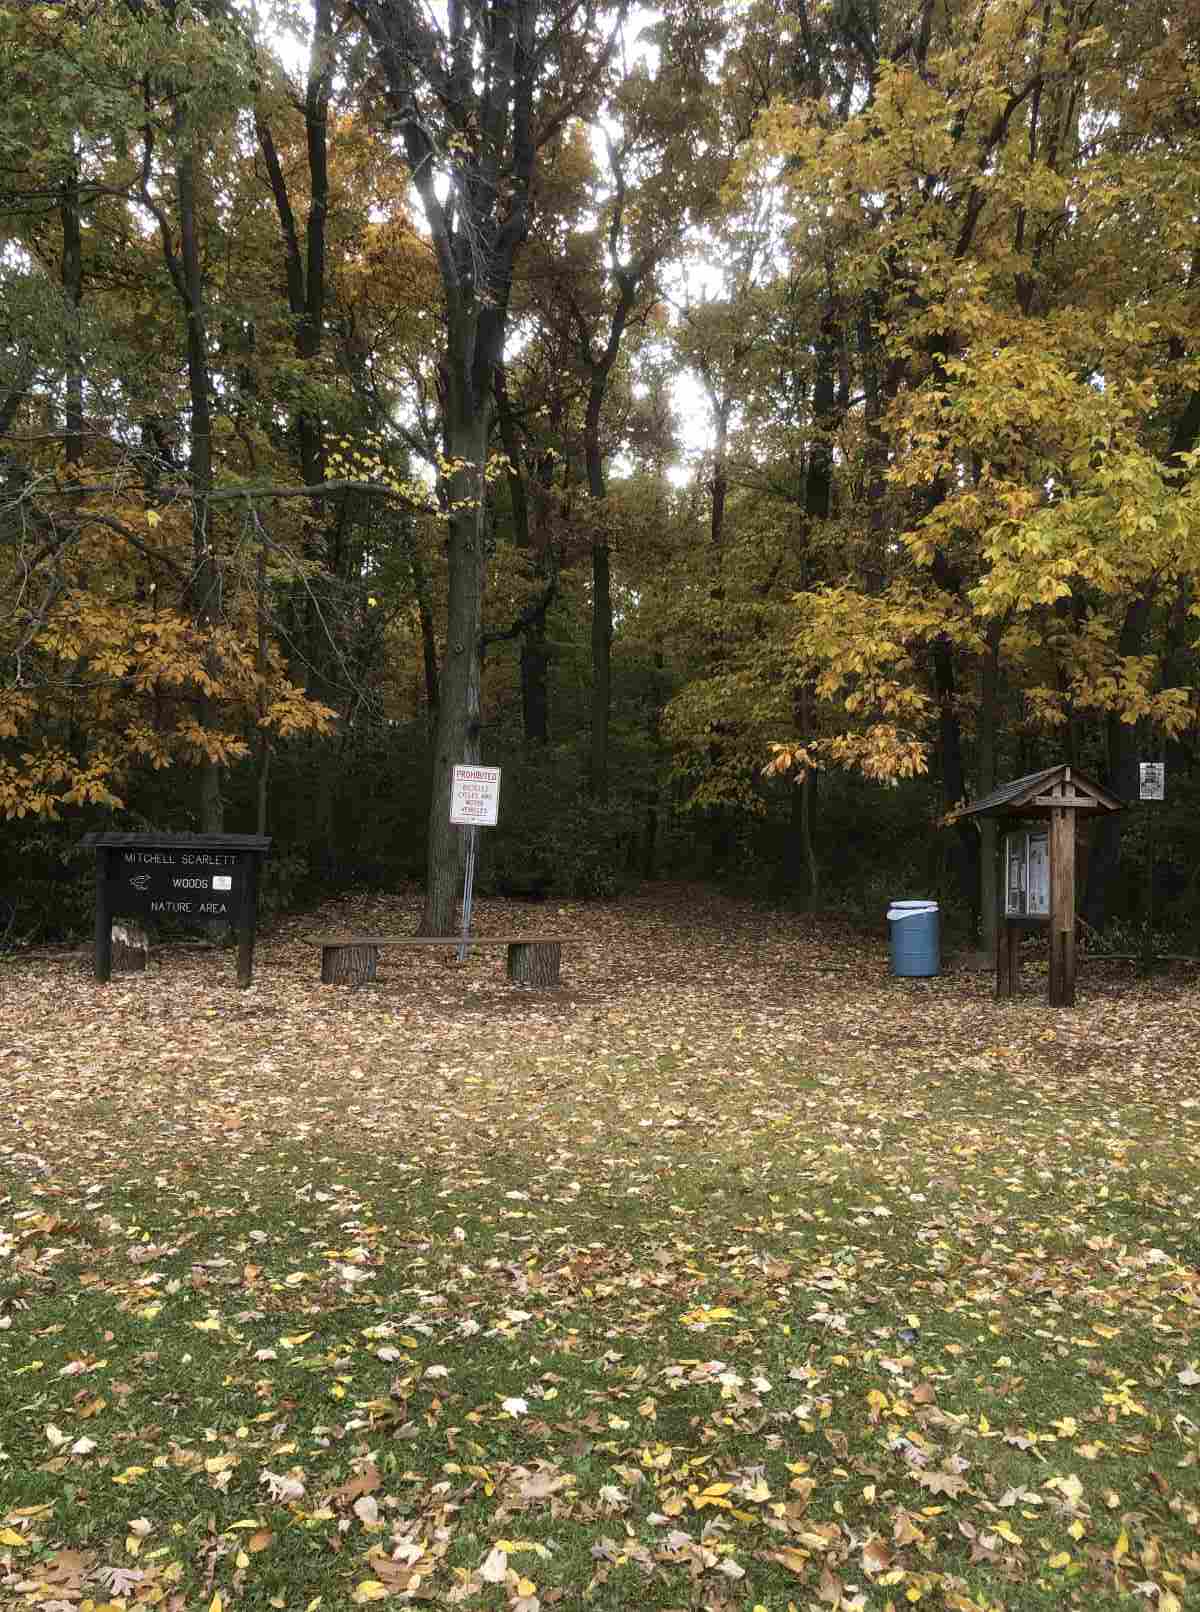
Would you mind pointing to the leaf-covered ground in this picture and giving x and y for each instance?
(734, 1274)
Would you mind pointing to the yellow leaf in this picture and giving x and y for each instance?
(526, 1586)
(1076, 1529)
(1121, 1548)
(211, 1323)
(215, 1604)
(130, 1475)
(1006, 1532)
(1061, 1560)
(10, 1536)
(369, 1590)
(795, 1560)
(152, 518)
(1070, 1488)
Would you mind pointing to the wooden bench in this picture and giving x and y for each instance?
(353, 959)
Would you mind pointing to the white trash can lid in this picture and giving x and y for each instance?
(909, 909)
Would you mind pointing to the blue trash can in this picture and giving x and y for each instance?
(916, 938)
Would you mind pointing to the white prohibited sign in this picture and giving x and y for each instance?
(475, 796)
(1153, 780)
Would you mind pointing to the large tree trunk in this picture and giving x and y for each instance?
(535, 657)
(964, 854)
(535, 682)
(304, 265)
(205, 585)
(429, 660)
(602, 610)
(459, 720)
(1104, 898)
(875, 451)
(989, 710)
(72, 284)
(481, 72)
(1104, 862)
(602, 635)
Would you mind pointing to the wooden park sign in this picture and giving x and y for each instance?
(1039, 868)
(190, 876)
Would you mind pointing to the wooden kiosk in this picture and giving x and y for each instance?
(1040, 813)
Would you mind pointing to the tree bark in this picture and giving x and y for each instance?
(130, 947)
(304, 265)
(205, 586)
(72, 284)
(964, 856)
(1104, 898)
(304, 261)
(535, 964)
(535, 657)
(459, 730)
(263, 767)
(602, 636)
(349, 965)
(989, 700)
(481, 72)
(602, 611)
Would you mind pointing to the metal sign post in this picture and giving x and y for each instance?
(468, 890)
(474, 804)
(1152, 785)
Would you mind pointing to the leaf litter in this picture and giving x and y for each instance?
(736, 1273)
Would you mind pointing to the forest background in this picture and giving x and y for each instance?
(756, 427)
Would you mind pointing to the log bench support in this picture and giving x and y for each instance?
(354, 959)
(349, 965)
(534, 962)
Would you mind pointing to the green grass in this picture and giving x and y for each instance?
(772, 1333)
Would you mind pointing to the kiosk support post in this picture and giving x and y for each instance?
(247, 918)
(1062, 907)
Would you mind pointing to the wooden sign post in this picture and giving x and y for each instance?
(1062, 907)
(196, 876)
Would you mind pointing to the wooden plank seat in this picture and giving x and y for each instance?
(354, 959)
